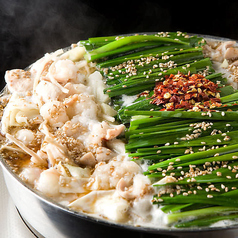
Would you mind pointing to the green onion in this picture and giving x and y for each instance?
(224, 116)
(200, 213)
(165, 139)
(129, 40)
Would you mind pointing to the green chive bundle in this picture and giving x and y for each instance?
(192, 156)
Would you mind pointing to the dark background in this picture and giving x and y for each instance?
(28, 29)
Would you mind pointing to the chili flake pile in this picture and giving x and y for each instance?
(193, 92)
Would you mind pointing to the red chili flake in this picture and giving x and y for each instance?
(186, 91)
(145, 94)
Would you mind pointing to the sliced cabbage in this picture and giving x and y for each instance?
(54, 151)
(86, 203)
(63, 170)
(113, 207)
(225, 64)
(74, 54)
(72, 185)
(108, 112)
(97, 86)
(117, 146)
(18, 112)
(78, 172)
(106, 203)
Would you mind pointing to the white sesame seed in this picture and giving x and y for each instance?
(226, 138)
(219, 173)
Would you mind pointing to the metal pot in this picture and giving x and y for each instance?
(53, 220)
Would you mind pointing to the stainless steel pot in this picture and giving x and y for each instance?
(53, 220)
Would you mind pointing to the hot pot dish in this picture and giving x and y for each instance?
(139, 130)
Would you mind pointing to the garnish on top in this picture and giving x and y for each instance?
(193, 92)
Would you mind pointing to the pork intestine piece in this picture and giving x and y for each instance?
(54, 112)
(107, 175)
(19, 80)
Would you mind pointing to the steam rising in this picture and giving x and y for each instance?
(31, 28)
